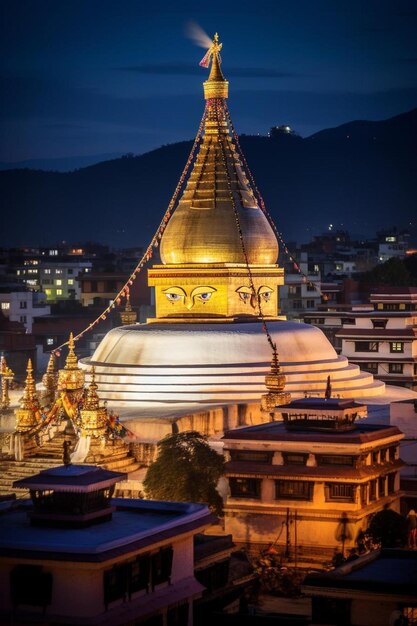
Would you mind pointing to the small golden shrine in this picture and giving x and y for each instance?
(128, 316)
(27, 416)
(50, 379)
(71, 378)
(275, 383)
(218, 249)
(94, 420)
(7, 376)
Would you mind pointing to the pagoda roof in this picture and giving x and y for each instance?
(71, 479)
(322, 404)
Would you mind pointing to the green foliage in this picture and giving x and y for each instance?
(388, 529)
(186, 470)
(394, 272)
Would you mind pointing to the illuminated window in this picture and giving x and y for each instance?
(5, 306)
(58, 281)
(18, 272)
(70, 281)
(59, 292)
(58, 271)
(396, 346)
(49, 341)
(48, 292)
(47, 271)
(53, 252)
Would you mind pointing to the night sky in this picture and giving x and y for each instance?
(92, 77)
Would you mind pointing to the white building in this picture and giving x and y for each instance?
(23, 306)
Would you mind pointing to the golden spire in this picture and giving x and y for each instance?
(93, 417)
(216, 86)
(7, 376)
(49, 379)
(203, 228)
(71, 378)
(128, 316)
(275, 383)
(26, 416)
(71, 361)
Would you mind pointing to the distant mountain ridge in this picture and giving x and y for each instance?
(362, 175)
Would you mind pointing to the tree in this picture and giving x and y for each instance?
(388, 528)
(186, 470)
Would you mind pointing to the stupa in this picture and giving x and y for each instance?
(216, 292)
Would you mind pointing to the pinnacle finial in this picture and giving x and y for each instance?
(30, 387)
(71, 360)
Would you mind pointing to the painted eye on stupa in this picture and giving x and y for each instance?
(174, 294)
(245, 293)
(265, 293)
(202, 293)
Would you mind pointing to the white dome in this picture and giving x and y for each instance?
(148, 364)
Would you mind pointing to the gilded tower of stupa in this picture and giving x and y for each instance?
(218, 251)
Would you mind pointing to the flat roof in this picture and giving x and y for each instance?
(329, 404)
(385, 571)
(71, 478)
(276, 431)
(135, 524)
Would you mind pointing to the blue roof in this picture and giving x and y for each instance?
(135, 524)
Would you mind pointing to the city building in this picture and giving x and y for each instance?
(375, 589)
(23, 306)
(75, 555)
(392, 245)
(310, 483)
(301, 290)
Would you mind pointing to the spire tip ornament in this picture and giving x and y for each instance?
(275, 383)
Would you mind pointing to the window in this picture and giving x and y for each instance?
(293, 289)
(59, 292)
(291, 458)
(391, 483)
(23, 305)
(349, 321)
(311, 287)
(297, 304)
(372, 490)
(70, 281)
(49, 341)
(47, 271)
(317, 320)
(392, 453)
(372, 368)
(381, 486)
(379, 323)
(58, 281)
(366, 346)
(70, 271)
(335, 459)
(310, 304)
(340, 491)
(245, 487)
(293, 490)
(396, 346)
(48, 292)
(58, 271)
(395, 368)
(161, 566)
(23, 319)
(251, 455)
(5, 306)
(115, 583)
(139, 573)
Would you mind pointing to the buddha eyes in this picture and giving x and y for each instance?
(265, 293)
(173, 297)
(204, 296)
(246, 294)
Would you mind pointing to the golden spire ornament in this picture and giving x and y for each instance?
(71, 378)
(275, 383)
(93, 417)
(7, 376)
(27, 414)
(50, 378)
(128, 316)
(216, 86)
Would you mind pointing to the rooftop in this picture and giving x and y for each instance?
(276, 431)
(135, 524)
